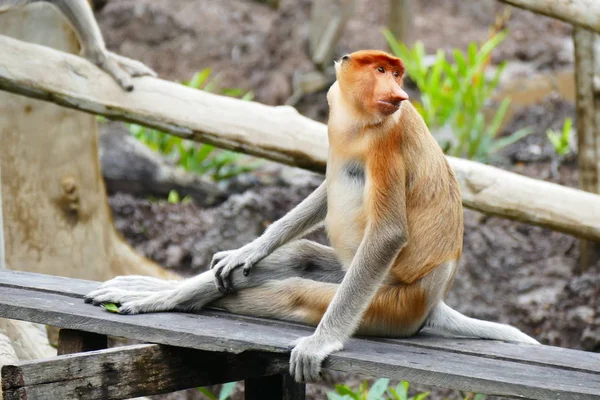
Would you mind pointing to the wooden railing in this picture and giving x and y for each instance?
(276, 133)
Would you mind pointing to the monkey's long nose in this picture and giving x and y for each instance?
(398, 95)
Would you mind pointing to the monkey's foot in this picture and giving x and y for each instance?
(308, 355)
(120, 68)
(113, 295)
(155, 302)
(140, 283)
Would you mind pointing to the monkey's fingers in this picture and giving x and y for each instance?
(223, 277)
(247, 268)
(216, 259)
(111, 67)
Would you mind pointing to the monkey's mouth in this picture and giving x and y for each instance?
(389, 107)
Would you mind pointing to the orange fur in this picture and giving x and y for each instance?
(394, 308)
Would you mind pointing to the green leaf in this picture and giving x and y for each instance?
(111, 307)
(378, 389)
(173, 197)
(226, 390)
(479, 396)
(335, 396)
(501, 143)
(347, 392)
(494, 126)
(402, 390)
(420, 396)
(249, 96)
(207, 393)
(567, 126)
(199, 78)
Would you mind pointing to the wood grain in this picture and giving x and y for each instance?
(276, 133)
(538, 372)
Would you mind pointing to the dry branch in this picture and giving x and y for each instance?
(277, 133)
(585, 13)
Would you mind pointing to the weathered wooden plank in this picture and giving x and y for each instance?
(395, 360)
(131, 371)
(536, 355)
(540, 355)
(46, 283)
(277, 133)
(280, 387)
(71, 341)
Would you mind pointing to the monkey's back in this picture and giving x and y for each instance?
(433, 202)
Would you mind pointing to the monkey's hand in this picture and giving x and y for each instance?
(120, 68)
(225, 262)
(308, 355)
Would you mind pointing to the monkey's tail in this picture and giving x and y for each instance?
(445, 319)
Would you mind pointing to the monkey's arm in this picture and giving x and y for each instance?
(80, 16)
(295, 223)
(384, 238)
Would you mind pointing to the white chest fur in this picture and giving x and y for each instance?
(345, 220)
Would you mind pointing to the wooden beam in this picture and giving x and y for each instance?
(484, 366)
(401, 20)
(588, 127)
(131, 371)
(2, 254)
(281, 387)
(73, 341)
(277, 133)
(585, 13)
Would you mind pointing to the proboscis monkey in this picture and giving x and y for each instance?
(393, 213)
(80, 16)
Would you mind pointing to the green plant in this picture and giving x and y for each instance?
(175, 198)
(454, 94)
(194, 157)
(224, 394)
(560, 140)
(380, 390)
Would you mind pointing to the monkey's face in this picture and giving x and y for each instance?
(372, 81)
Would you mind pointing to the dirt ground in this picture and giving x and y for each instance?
(510, 272)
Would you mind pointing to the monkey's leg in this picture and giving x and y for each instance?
(396, 310)
(301, 258)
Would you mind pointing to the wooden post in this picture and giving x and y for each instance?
(400, 20)
(274, 387)
(328, 20)
(2, 257)
(71, 341)
(587, 58)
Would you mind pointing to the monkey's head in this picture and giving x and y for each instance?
(371, 81)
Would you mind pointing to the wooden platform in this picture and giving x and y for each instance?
(261, 348)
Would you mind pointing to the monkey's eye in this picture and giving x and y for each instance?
(381, 69)
(396, 74)
(346, 58)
